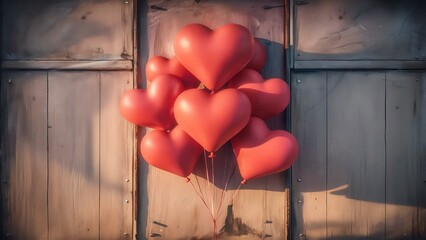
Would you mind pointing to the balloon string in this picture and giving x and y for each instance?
(222, 198)
(199, 195)
(208, 183)
(199, 186)
(232, 199)
(213, 179)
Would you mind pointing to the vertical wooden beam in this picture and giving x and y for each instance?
(116, 154)
(403, 165)
(309, 173)
(355, 154)
(23, 155)
(73, 136)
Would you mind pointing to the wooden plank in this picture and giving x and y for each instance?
(67, 30)
(68, 65)
(403, 91)
(309, 173)
(116, 154)
(422, 165)
(360, 64)
(73, 138)
(356, 155)
(245, 214)
(23, 155)
(360, 30)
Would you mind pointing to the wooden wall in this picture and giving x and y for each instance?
(358, 112)
(361, 167)
(174, 211)
(66, 153)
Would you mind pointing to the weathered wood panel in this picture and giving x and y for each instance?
(23, 155)
(116, 154)
(422, 153)
(67, 65)
(67, 30)
(361, 30)
(309, 173)
(74, 142)
(355, 154)
(173, 208)
(403, 165)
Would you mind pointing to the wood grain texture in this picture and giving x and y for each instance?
(403, 165)
(67, 30)
(74, 142)
(309, 173)
(23, 155)
(171, 201)
(422, 149)
(354, 30)
(116, 154)
(355, 154)
(67, 65)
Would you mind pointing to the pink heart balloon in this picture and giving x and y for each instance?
(261, 152)
(173, 151)
(268, 98)
(214, 57)
(212, 119)
(258, 59)
(153, 107)
(160, 65)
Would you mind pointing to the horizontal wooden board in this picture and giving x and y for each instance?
(360, 30)
(67, 30)
(67, 65)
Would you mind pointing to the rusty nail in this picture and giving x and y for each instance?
(268, 221)
(267, 235)
(125, 234)
(299, 180)
(127, 201)
(127, 180)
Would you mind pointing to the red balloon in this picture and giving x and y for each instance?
(261, 152)
(258, 59)
(173, 151)
(153, 107)
(268, 98)
(212, 119)
(214, 57)
(160, 65)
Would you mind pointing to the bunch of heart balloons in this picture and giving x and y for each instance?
(210, 93)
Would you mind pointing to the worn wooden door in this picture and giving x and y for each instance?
(66, 153)
(360, 120)
(170, 206)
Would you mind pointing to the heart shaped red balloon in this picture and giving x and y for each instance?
(258, 59)
(214, 57)
(212, 119)
(261, 152)
(153, 107)
(268, 98)
(160, 65)
(173, 151)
